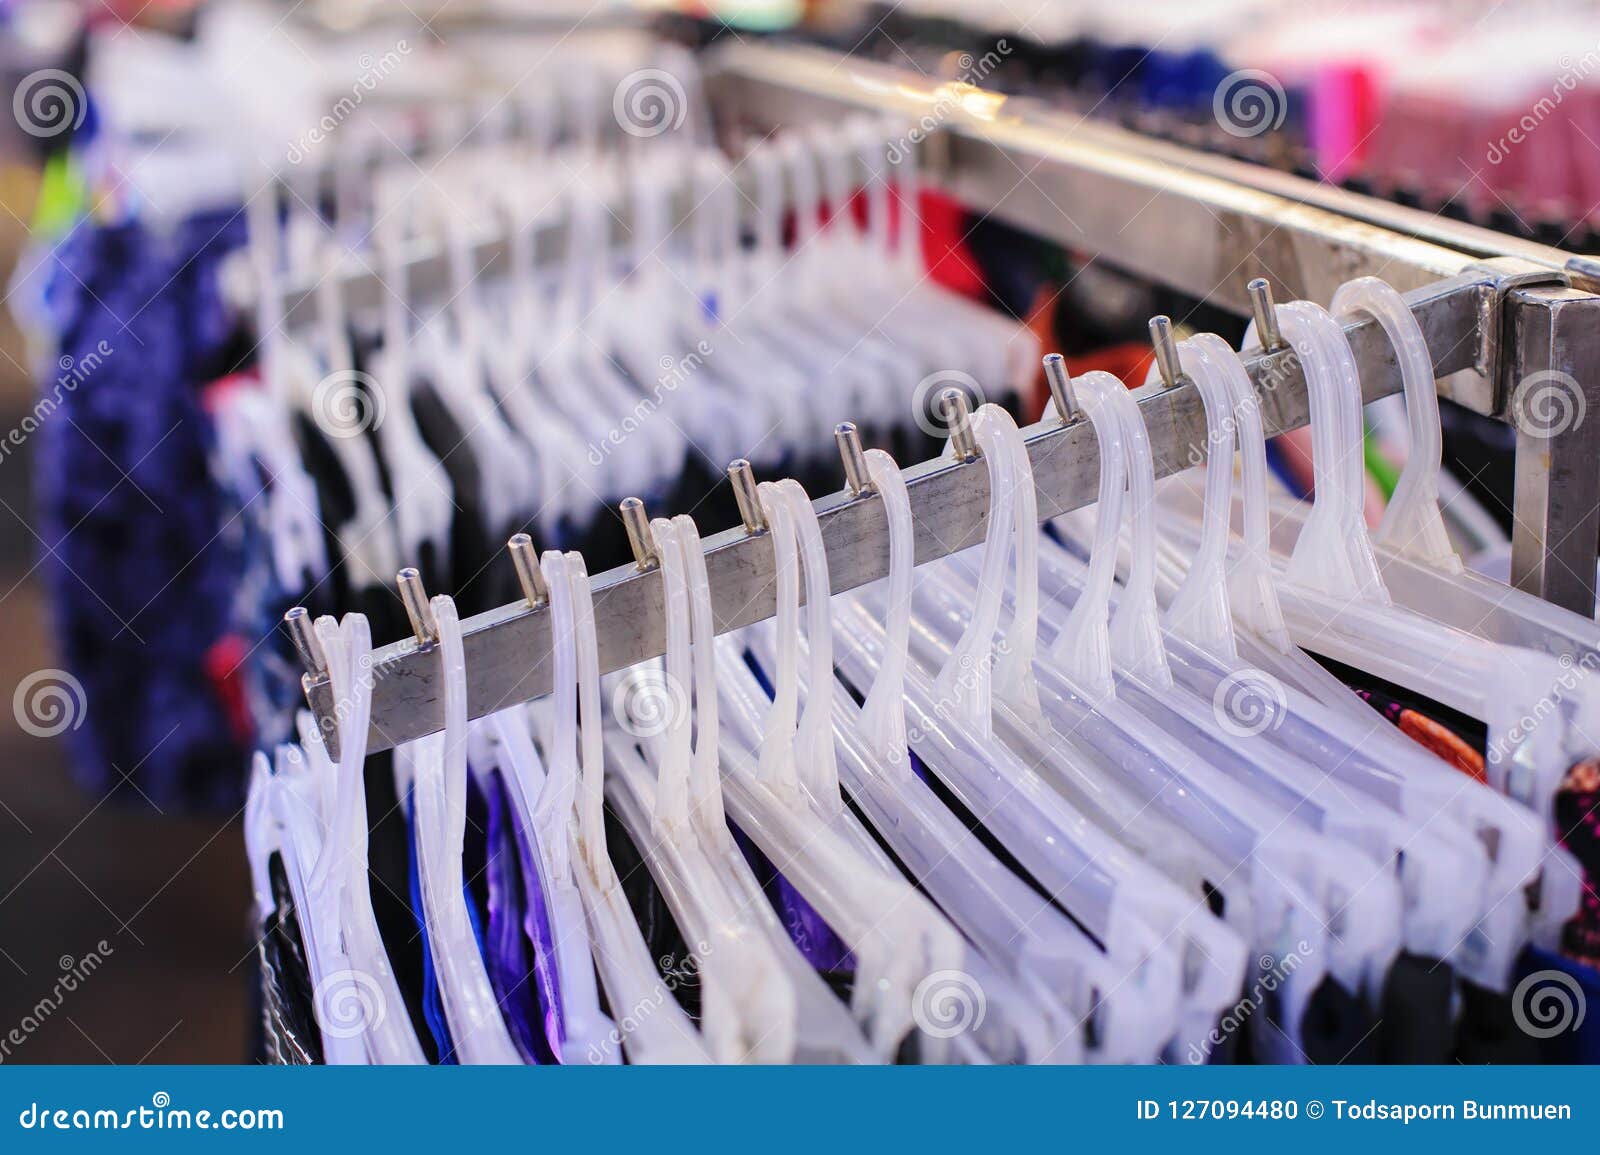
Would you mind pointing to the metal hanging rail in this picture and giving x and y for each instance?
(1488, 324)
(1206, 225)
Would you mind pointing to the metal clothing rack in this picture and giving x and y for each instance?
(1494, 311)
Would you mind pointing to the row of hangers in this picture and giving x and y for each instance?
(1170, 796)
(551, 367)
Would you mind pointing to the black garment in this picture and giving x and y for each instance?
(680, 970)
(478, 574)
(288, 1011)
(388, 877)
(1487, 1031)
(1336, 1026)
(1415, 1026)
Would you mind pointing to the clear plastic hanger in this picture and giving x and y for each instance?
(898, 939)
(578, 1030)
(508, 485)
(424, 501)
(1380, 762)
(1016, 929)
(438, 786)
(779, 305)
(1298, 882)
(259, 424)
(826, 1032)
(339, 881)
(1136, 988)
(1441, 869)
(1010, 353)
(876, 302)
(1335, 603)
(272, 827)
(652, 1027)
(748, 1001)
(330, 392)
(759, 355)
(1421, 569)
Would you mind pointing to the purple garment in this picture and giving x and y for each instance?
(139, 570)
(536, 924)
(510, 886)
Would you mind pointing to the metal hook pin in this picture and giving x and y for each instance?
(856, 474)
(424, 626)
(958, 416)
(1166, 351)
(304, 635)
(1061, 392)
(529, 575)
(645, 554)
(743, 480)
(1266, 314)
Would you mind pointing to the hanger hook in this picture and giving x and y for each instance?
(306, 641)
(1061, 393)
(743, 480)
(529, 575)
(1166, 348)
(645, 554)
(958, 416)
(1266, 315)
(856, 475)
(424, 626)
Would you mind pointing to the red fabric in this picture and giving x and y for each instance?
(224, 663)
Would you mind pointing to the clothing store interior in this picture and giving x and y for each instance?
(800, 532)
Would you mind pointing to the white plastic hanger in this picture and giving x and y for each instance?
(652, 1027)
(439, 816)
(1335, 603)
(424, 501)
(1292, 875)
(897, 937)
(825, 1031)
(339, 882)
(748, 1001)
(1442, 868)
(1382, 762)
(1136, 987)
(329, 392)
